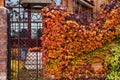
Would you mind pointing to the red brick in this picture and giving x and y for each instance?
(3, 29)
(3, 43)
(3, 37)
(2, 66)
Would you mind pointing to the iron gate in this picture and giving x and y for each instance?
(24, 30)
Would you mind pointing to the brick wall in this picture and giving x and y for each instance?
(3, 43)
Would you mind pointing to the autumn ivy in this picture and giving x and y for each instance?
(64, 42)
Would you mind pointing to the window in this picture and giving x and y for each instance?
(19, 20)
(58, 2)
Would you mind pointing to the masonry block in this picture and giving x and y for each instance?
(3, 43)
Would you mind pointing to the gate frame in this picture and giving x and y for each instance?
(18, 39)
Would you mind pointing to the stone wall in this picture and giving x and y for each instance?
(3, 43)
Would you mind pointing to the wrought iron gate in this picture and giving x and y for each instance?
(24, 30)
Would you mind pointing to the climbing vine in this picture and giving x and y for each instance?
(65, 42)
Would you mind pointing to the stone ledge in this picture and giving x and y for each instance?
(3, 76)
(3, 9)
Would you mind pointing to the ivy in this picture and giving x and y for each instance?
(114, 64)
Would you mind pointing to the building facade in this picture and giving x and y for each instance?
(78, 6)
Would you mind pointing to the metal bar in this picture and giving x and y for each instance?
(12, 63)
(8, 46)
(13, 7)
(37, 54)
(19, 51)
(26, 21)
(29, 23)
(37, 1)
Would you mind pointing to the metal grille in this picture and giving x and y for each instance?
(24, 31)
